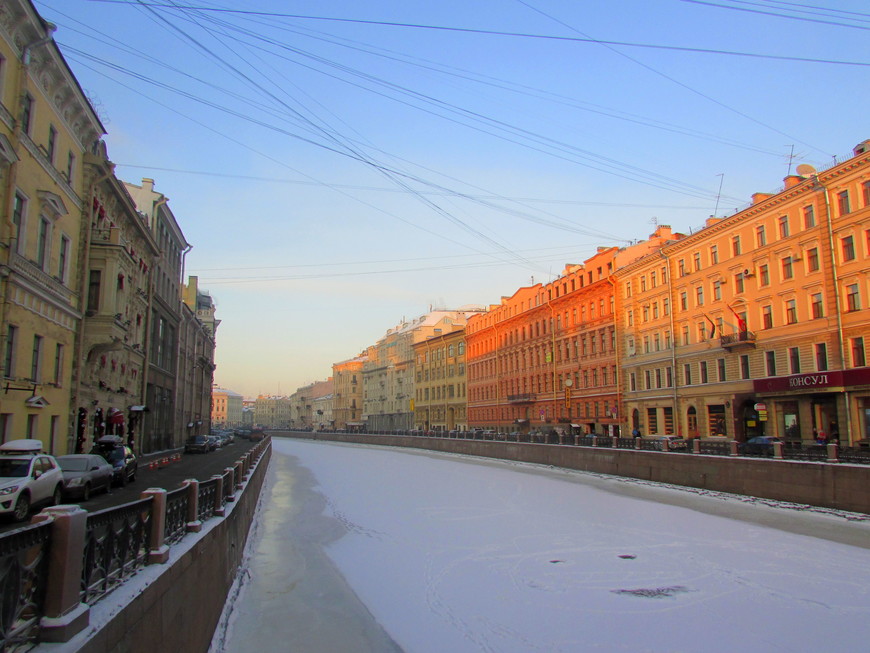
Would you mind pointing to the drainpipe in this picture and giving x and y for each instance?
(671, 305)
(836, 280)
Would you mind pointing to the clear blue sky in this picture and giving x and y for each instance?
(335, 176)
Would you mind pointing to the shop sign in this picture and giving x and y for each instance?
(814, 380)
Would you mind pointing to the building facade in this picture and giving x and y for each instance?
(757, 323)
(440, 383)
(227, 407)
(348, 393)
(46, 127)
(271, 411)
(165, 423)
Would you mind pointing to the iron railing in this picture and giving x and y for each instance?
(24, 555)
(207, 500)
(176, 515)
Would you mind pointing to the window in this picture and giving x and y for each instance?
(669, 377)
(739, 285)
(682, 267)
(720, 368)
(783, 227)
(813, 259)
(699, 295)
(652, 279)
(697, 261)
(714, 254)
(643, 284)
(744, 367)
(52, 143)
(19, 215)
(658, 377)
(809, 217)
(760, 236)
(703, 370)
(666, 306)
(843, 202)
(62, 258)
(94, 290)
(686, 334)
(26, 113)
(35, 359)
(764, 274)
(848, 247)
(853, 299)
(717, 290)
(865, 191)
(794, 360)
(43, 243)
(57, 377)
(647, 380)
(684, 301)
(816, 305)
(858, 358)
(70, 167)
(821, 356)
(633, 382)
(787, 268)
(655, 310)
(770, 362)
(9, 355)
(790, 311)
(735, 246)
(687, 374)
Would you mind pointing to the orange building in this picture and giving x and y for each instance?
(757, 323)
(545, 359)
(348, 386)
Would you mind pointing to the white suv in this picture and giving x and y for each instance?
(27, 478)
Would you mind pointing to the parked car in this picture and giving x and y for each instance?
(226, 437)
(256, 435)
(120, 456)
(197, 444)
(28, 478)
(85, 473)
(761, 445)
(214, 442)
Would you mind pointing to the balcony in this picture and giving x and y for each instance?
(525, 398)
(739, 340)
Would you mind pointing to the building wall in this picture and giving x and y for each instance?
(440, 383)
(46, 126)
(348, 398)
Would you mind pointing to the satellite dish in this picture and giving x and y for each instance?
(805, 170)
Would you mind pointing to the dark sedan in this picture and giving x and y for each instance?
(83, 474)
(197, 444)
(761, 445)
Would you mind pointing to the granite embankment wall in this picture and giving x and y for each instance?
(180, 610)
(840, 486)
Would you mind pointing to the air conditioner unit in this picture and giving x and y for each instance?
(748, 273)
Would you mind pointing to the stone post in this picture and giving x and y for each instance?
(158, 550)
(230, 484)
(778, 448)
(219, 510)
(734, 450)
(194, 525)
(65, 614)
(833, 452)
(239, 472)
(696, 445)
(638, 443)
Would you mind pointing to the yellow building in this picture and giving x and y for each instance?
(757, 323)
(440, 383)
(348, 398)
(46, 126)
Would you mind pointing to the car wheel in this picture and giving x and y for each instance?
(57, 497)
(123, 480)
(86, 492)
(22, 507)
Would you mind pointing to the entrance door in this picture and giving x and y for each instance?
(752, 426)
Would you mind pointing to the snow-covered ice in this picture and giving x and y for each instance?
(381, 549)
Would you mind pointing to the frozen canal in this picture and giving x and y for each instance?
(375, 549)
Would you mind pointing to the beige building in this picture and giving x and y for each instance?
(440, 383)
(305, 403)
(227, 407)
(757, 323)
(271, 411)
(46, 126)
(348, 393)
(388, 374)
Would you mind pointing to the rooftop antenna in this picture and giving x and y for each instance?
(721, 176)
(790, 160)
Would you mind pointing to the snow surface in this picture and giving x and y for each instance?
(381, 549)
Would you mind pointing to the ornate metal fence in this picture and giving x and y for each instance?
(116, 546)
(176, 515)
(207, 502)
(24, 555)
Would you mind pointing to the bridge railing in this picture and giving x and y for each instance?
(54, 570)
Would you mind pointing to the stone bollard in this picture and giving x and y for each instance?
(734, 450)
(219, 495)
(230, 484)
(65, 614)
(778, 448)
(158, 551)
(666, 444)
(614, 442)
(638, 443)
(833, 452)
(194, 525)
(696, 445)
(239, 474)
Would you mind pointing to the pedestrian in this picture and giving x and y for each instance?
(822, 437)
(635, 433)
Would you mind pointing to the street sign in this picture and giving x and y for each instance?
(760, 406)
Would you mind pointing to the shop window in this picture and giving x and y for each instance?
(652, 420)
(716, 419)
(668, 419)
(790, 420)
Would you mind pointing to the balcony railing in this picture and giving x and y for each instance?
(741, 338)
(525, 398)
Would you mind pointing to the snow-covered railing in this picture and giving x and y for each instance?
(70, 559)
